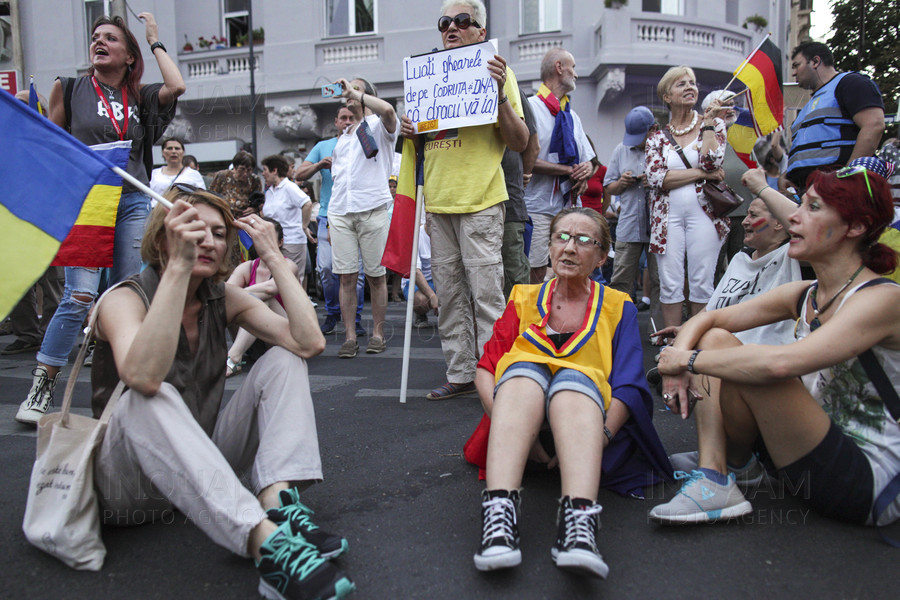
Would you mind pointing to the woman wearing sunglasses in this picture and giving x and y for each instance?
(163, 335)
(108, 104)
(564, 364)
(826, 405)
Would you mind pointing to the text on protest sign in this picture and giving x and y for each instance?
(451, 88)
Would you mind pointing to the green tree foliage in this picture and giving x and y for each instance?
(865, 38)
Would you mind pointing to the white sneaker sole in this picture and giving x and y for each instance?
(29, 417)
(506, 560)
(709, 516)
(581, 562)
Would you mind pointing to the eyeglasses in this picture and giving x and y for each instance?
(561, 238)
(462, 21)
(850, 171)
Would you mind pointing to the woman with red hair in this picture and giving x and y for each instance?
(825, 406)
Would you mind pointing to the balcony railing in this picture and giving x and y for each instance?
(215, 63)
(653, 31)
(349, 51)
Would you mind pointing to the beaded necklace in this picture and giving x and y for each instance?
(681, 132)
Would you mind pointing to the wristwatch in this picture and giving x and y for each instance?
(156, 45)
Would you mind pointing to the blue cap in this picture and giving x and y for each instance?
(637, 123)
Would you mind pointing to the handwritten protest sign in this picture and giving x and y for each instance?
(451, 88)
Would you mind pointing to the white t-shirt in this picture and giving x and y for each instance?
(160, 182)
(284, 203)
(360, 183)
(746, 278)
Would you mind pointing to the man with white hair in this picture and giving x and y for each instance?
(465, 205)
(563, 165)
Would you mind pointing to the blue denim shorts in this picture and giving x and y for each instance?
(551, 383)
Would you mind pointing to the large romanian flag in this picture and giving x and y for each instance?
(46, 175)
(398, 251)
(762, 74)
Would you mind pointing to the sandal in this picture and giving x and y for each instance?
(451, 390)
(231, 368)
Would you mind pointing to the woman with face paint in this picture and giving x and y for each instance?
(826, 405)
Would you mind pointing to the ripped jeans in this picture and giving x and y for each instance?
(82, 283)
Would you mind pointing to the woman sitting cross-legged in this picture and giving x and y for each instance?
(171, 443)
(566, 353)
(826, 405)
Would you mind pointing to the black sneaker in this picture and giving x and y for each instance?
(19, 346)
(329, 545)
(329, 324)
(578, 522)
(500, 530)
(291, 568)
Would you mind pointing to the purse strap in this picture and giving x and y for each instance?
(678, 149)
(79, 360)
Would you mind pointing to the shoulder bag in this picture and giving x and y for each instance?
(722, 199)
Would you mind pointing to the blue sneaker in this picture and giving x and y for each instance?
(360, 330)
(329, 324)
(291, 568)
(298, 514)
(702, 500)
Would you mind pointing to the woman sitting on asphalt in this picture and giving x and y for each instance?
(255, 278)
(164, 337)
(565, 354)
(748, 276)
(825, 406)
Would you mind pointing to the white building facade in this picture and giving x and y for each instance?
(620, 51)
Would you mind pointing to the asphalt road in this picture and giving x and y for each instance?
(396, 485)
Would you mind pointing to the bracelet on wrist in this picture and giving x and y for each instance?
(761, 190)
(504, 100)
(707, 128)
(690, 364)
(157, 44)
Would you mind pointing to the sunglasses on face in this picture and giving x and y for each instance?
(561, 238)
(850, 171)
(462, 21)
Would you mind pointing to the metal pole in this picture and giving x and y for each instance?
(252, 81)
(117, 9)
(18, 55)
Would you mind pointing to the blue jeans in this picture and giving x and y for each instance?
(63, 330)
(551, 383)
(331, 283)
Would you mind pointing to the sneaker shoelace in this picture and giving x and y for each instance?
(499, 519)
(691, 478)
(581, 526)
(42, 399)
(299, 513)
(297, 556)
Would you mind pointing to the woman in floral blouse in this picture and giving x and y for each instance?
(678, 209)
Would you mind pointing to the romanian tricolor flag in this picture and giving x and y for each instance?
(763, 76)
(742, 136)
(398, 251)
(33, 100)
(47, 175)
(90, 241)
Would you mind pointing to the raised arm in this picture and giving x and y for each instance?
(144, 341)
(378, 106)
(779, 205)
(173, 84)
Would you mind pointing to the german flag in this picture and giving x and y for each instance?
(762, 74)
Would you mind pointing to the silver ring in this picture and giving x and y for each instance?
(667, 397)
(253, 221)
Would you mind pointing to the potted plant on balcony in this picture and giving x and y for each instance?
(758, 21)
(188, 47)
(204, 43)
(241, 40)
(259, 36)
(219, 42)
(614, 3)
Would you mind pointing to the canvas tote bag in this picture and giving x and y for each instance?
(62, 516)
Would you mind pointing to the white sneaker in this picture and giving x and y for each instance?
(702, 500)
(39, 398)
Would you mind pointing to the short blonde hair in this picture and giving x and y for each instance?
(153, 245)
(670, 77)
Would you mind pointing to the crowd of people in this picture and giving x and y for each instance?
(513, 244)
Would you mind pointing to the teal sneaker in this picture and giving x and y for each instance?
(291, 568)
(329, 545)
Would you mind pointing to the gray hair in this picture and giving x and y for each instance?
(479, 12)
(548, 64)
(721, 95)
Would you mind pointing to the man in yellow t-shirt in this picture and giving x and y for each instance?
(464, 194)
